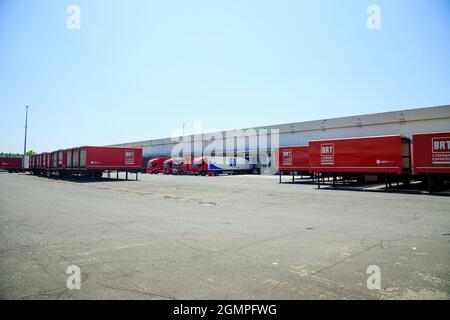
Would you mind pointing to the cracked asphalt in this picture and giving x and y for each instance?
(228, 237)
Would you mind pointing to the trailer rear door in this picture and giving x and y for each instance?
(69, 159)
(83, 158)
(75, 158)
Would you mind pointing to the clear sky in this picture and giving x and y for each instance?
(137, 70)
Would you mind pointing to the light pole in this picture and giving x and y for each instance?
(25, 141)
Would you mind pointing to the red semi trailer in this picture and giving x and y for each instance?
(214, 166)
(92, 161)
(11, 164)
(431, 158)
(381, 154)
(87, 161)
(58, 163)
(352, 158)
(292, 160)
(155, 166)
(431, 153)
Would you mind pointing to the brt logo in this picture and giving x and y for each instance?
(441, 145)
(129, 157)
(327, 149)
(327, 154)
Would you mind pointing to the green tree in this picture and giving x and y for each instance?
(10, 155)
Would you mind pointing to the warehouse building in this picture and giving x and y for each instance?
(259, 142)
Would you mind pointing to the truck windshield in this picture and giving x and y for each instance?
(167, 164)
(151, 164)
(198, 163)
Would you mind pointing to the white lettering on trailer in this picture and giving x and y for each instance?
(441, 144)
(287, 157)
(327, 154)
(440, 150)
(129, 156)
(327, 149)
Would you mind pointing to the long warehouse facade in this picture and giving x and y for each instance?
(259, 142)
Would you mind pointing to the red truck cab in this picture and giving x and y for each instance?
(200, 167)
(167, 166)
(182, 165)
(155, 166)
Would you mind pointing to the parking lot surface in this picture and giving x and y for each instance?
(226, 237)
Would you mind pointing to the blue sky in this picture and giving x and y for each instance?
(137, 70)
